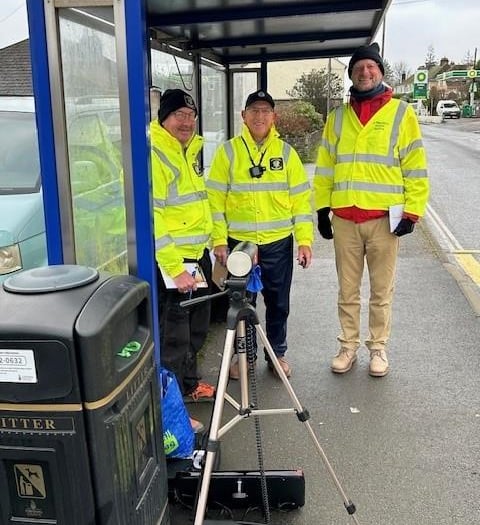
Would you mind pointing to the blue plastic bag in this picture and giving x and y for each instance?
(254, 283)
(178, 436)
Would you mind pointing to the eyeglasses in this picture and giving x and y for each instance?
(260, 111)
(183, 117)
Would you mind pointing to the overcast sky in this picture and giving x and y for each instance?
(13, 22)
(452, 27)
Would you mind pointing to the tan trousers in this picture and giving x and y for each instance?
(355, 243)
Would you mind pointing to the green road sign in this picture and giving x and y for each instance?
(419, 91)
(459, 73)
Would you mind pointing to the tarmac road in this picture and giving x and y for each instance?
(453, 149)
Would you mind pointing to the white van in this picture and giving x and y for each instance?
(448, 108)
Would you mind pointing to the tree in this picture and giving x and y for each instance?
(468, 58)
(389, 76)
(430, 59)
(313, 87)
(299, 124)
(401, 71)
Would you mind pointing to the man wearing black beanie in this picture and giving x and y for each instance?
(182, 225)
(371, 52)
(173, 100)
(371, 161)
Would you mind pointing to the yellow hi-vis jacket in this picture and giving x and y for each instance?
(260, 210)
(374, 166)
(182, 217)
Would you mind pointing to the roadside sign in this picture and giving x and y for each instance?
(459, 73)
(419, 91)
(421, 76)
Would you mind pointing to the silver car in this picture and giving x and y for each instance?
(22, 224)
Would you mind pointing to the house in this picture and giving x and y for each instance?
(16, 70)
(442, 83)
(16, 74)
(284, 75)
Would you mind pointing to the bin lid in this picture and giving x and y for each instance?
(50, 279)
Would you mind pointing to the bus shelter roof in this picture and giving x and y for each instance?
(245, 31)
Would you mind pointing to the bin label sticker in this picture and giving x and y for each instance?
(17, 366)
(30, 481)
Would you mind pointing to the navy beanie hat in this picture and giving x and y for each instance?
(372, 52)
(173, 99)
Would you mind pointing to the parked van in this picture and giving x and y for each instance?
(448, 108)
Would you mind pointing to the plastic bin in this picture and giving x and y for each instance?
(80, 431)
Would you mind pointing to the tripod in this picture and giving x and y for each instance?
(239, 312)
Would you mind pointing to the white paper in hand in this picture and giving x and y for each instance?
(395, 214)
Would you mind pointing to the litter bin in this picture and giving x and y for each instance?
(80, 431)
(467, 110)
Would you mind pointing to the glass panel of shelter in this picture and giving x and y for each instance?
(90, 83)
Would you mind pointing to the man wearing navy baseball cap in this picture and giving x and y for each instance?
(259, 192)
(259, 96)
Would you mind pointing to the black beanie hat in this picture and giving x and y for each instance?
(259, 96)
(173, 99)
(372, 52)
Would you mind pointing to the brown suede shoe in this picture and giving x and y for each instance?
(343, 361)
(234, 371)
(378, 363)
(284, 364)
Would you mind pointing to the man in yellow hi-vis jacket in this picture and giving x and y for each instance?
(182, 225)
(259, 192)
(371, 161)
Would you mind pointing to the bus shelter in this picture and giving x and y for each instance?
(105, 62)
(81, 432)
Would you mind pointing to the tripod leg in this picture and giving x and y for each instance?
(242, 364)
(303, 416)
(216, 419)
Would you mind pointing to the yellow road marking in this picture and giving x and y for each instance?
(470, 265)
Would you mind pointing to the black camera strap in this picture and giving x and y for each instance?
(250, 156)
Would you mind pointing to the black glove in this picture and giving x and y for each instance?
(324, 224)
(404, 226)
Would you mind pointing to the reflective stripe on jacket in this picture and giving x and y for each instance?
(374, 166)
(265, 209)
(182, 217)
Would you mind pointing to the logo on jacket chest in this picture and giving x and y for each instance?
(276, 164)
(198, 168)
(380, 126)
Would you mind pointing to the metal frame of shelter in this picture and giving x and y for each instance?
(226, 32)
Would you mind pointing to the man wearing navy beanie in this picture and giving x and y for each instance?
(371, 159)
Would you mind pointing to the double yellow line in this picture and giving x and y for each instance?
(469, 264)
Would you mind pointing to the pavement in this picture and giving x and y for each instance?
(404, 448)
